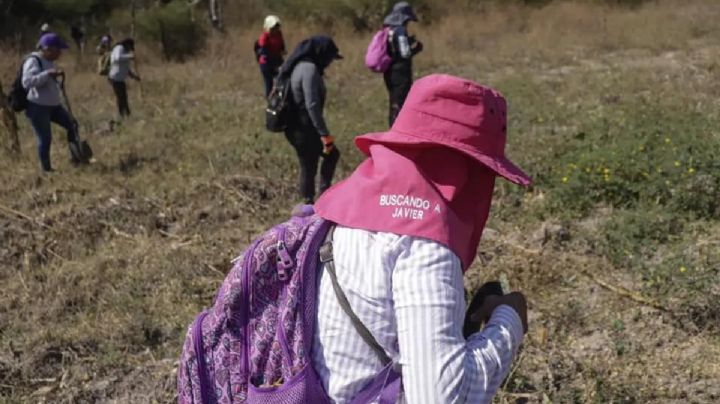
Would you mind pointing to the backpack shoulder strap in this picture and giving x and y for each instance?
(326, 257)
(28, 57)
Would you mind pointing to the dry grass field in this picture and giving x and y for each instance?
(614, 111)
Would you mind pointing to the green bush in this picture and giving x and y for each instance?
(68, 8)
(173, 27)
(361, 14)
(641, 158)
(630, 237)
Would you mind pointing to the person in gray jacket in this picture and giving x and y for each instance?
(122, 54)
(44, 105)
(306, 129)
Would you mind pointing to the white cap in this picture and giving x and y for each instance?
(45, 27)
(270, 22)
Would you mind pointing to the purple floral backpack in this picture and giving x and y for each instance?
(254, 344)
(377, 58)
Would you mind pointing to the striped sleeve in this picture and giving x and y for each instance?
(438, 364)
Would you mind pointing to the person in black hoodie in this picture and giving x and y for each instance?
(401, 47)
(306, 129)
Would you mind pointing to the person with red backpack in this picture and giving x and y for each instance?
(359, 298)
(269, 51)
(401, 48)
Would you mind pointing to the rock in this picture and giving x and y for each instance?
(550, 232)
(44, 391)
(490, 234)
(105, 128)
(203, 213)
(100, 386)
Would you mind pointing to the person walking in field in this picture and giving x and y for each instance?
(78, 35)
(103, 50)
(269, 51)
(44, 104)
(104, 45)
(402, 47)
(306, 129)
(122, 54)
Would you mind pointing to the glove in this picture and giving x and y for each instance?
(328, 144)
(418, 47)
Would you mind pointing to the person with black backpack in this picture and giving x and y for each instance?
(306, 129)
(402, 47)
(39, 95)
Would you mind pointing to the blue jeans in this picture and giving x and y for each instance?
(40, 117)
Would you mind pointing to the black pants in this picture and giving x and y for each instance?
(398, 81)
(269, 73)
(120, 89)
(309, 149)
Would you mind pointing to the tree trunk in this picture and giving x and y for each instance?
(9, 122)
(215, 11)
(133, 8)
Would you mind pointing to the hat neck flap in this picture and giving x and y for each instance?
(429, 192)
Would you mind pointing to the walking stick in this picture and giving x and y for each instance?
(139, 79)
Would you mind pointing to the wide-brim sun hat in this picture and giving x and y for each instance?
(404, 7)
(447, 111)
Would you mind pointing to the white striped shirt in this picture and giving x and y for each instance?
(408, 292)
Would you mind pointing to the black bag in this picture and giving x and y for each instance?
(17, 98)
(277, 110)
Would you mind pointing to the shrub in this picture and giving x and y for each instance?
(173, 27)
(642, 158)
(631, 237)
(68, 8)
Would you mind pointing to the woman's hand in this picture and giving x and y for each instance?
(328, 144)
(55, 73)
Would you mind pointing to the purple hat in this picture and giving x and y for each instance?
(52, 40)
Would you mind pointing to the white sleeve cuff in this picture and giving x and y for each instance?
(506, 317)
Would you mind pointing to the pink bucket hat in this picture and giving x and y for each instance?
(456, 113)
